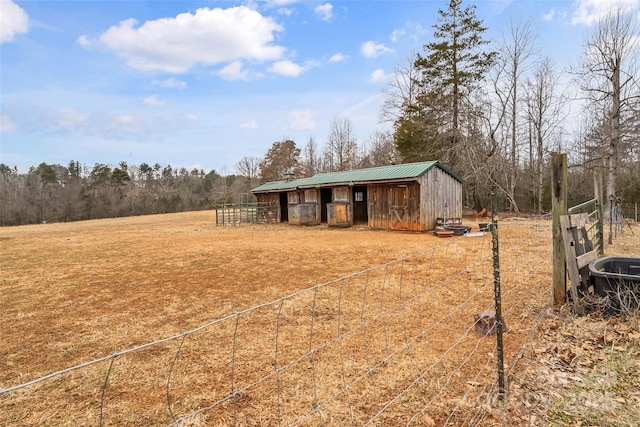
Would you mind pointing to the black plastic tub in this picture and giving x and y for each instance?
(617, 279)
(458, 230)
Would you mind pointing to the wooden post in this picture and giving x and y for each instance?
(559, 207)
(598, 188)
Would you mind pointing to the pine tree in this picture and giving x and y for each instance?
(452, 67)
(455, 62)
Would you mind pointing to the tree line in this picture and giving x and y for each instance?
(491, 111)
(55, 193)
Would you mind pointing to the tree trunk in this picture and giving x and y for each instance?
(614, 140)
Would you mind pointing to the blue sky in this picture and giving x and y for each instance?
(205, 83)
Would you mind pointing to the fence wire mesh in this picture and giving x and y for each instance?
(392, 345)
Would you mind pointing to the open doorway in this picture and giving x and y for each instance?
(325, 199)
(284, 207)
(360, 212)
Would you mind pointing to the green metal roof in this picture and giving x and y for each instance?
(404, 171)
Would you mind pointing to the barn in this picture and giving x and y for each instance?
(410, 196)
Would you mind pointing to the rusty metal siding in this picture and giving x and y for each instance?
(437, 188)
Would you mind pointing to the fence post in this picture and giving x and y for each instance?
(559, 207)
(497, 295)
(598, 188)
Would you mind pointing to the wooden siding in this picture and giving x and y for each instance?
(341, 194)
(303, 214)
(394, 206)
(311, 196)
(272, 199)
(410, 205)
(339, 215)
(437, 188)
(293, 197)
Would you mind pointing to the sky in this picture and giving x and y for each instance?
(202, 84)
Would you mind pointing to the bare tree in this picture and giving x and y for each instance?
(311, 158)
(607, 74)
(514, 58)
(341, 151)
(248, 167)
(545, 111)
(401, 96)
(380, 151)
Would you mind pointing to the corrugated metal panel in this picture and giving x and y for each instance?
(358, 176)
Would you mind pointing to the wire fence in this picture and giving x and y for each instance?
(235, 214)
(630, 211)
(396, 344)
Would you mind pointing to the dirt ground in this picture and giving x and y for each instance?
(84, 283)
(81, 291)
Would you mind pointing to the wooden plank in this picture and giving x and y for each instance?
(572, 265)
(559, 207)
(586, 259)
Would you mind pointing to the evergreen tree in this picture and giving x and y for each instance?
(455, 62)
(453, 66)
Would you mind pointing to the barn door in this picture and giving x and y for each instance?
(360, 205)
(399, 208)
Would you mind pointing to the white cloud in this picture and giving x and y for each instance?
(66, 118)
(153, 100)
(378, 76)
(325, 11)
(338, 57)
(127, 123)
(191, 117)
(249, 125)
(396, 34)
(233, 72)
(286, 11)
(170, 83)
(411, 30)
(84, 42)
(276, 3)
(6, 124)
(286, 68)
(207, 37)
(13, 20)
(589, 12)
(301, 120)
(371, 49)
(549, 16)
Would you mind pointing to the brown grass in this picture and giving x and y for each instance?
(81, 291)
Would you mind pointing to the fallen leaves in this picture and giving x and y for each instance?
(580, 371)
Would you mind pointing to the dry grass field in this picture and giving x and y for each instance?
(334, 354)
